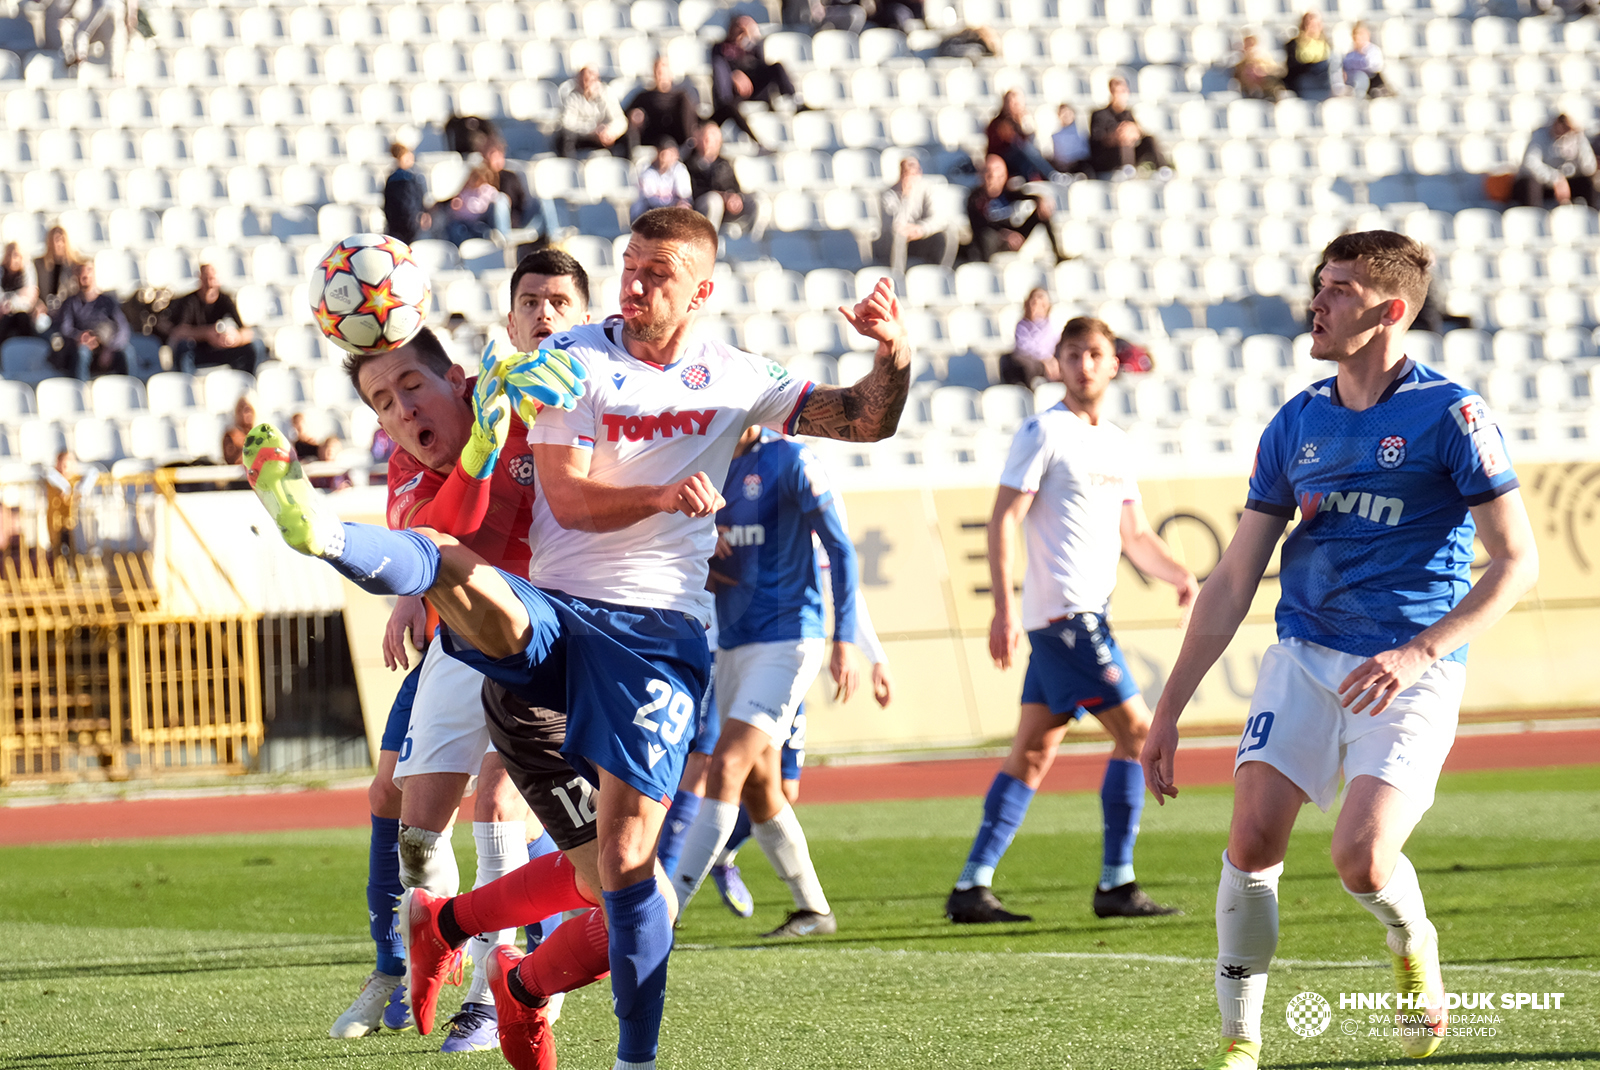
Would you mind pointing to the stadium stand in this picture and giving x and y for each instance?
(251, 137)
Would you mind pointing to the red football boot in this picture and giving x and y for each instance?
(525, 1037)
(430, 961)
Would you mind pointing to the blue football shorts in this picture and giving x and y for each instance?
(1076, 667)
(792, 755)
(394, 731)
(630, 680)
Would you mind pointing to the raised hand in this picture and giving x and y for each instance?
(490, 415)
(549, 377)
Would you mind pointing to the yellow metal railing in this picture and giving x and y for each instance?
(121, 662)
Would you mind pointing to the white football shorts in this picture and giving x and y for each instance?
(448, 733)
(1298, 726)
(763, 684)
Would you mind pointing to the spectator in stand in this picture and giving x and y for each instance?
(1002, 218)
(899, 14)
(591, 118)
(714, 185)
(1010, 135)
(19, 293)
(519, 201)
(1559, 165)
(94, 331)
(61, 490)
(911, 225)
(405, 197)
(208, 331)
(56, 271)
(815, 15)
(665, 183)
(1363, 65)
(1118, 144)
(244, 418)
(479, 209)
(663, 110)
(1310, 66)
(383, 446)
(1033, 359)
(1068, 147)
(306, 448)
(740, 72)
(1260, 77)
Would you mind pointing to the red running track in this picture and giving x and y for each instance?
(281, 811)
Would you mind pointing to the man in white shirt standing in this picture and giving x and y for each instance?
(912, 225)
(1069, 481)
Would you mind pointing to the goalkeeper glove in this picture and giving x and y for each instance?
(548, 377)
(490, 416)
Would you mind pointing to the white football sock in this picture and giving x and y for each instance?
(1399, 906)
(784, 842)
(428, 861)
(502, 847)
(727, 856)
(1247, 936)
(703, 843)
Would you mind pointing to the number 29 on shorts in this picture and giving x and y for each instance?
(679, 709)
(1256, 731)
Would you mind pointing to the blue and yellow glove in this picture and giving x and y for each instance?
(491, 414)
(550, 377)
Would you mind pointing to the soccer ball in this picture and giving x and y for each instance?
(369, 294)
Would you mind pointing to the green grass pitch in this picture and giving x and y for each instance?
(240, 951)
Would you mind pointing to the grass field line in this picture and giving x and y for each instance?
(1162, 960)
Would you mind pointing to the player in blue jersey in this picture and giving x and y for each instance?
(1393, 469)
(1069, 483)
(770, 647)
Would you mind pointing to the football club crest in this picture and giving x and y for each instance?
(1391, 452)
(752, 487)
(521, 469)
(696, 377)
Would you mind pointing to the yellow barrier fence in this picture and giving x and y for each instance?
(117, 660)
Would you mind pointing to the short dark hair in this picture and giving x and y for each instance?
(553, 262)
(677, 224)
(1395, 263)
(1086, 327)
(424, 344)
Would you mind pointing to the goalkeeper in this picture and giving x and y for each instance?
(444, 475)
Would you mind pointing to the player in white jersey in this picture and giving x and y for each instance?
(1069, 481)
(628, 675)
(1394, 469)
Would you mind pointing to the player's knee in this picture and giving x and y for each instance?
(1359, 867)
(438, 538)
(383, 797)
(1252, 848)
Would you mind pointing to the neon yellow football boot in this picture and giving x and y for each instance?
(291, 501)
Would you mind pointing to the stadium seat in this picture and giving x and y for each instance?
(222, 387)
(16, 401)
(202, 434)
(40, 441)
(61, 398)
(26, 360)
(279, 387)
(818, 368)
(1005, 407)
(117, 397)
(97, 441)
(171, 393)
(968, 370)
(954, 408)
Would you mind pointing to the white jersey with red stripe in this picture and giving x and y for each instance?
(652, 425)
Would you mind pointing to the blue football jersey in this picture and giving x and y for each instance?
(1383, 548)
(777, 495)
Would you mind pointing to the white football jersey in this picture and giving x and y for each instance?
(1079, 475)
(649, 426)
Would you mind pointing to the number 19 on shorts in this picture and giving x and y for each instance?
(679, 710)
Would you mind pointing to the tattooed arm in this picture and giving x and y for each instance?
(869, 410)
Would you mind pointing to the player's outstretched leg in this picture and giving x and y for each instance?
(973, 901)
(291, 501)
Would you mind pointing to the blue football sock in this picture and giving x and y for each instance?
(1121, 801)
(540, 931)
(685, 805)
(383, 894)
(741, 831)
(641, 940)
(381, 561)
(1003, 810)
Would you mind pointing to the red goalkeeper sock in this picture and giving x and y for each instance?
(545, 886)
(576, 954)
